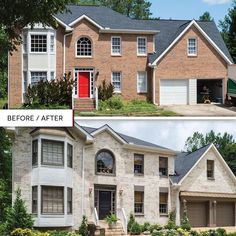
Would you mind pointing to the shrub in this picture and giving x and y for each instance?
(171, 221)
(105, 91)
(194, 233)
(185, 222)
(3, 230)
(130, 222)
(146, 227)
(155, 227)
(110, 219)
(83, 229)
(158, 233)
(135, 229)
(115, 102)
(221, 232)
(22, 232)
(17, 216)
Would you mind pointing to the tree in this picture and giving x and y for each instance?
(137, 9)
(228, 30)
(206, 16)
(17, 216)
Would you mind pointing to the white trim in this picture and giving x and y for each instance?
(68, 28)
(30, 44)
(87, 18)
(127, 31)
(145, 89)
(88, 136)
(196, 46)
(193, 22)
(116, 54)
(142, 54)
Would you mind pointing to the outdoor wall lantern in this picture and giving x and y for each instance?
(90, 191)
(121, 192)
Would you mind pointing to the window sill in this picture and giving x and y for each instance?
(192, 55)
(141, 55)
(116, 55)
(163, 215)
(138, 175)
(211, 178)
(40, 53)
(52, 166)
(117, 92)
(139, 214)
(142, 92)
(104, 174)
(163, 176)
(84, 57)
(50, 215)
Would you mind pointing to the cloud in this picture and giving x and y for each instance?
(217, 2)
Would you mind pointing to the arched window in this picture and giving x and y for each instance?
(84, 47)
(105, 162)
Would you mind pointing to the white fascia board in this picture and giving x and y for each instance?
(67, 28)
(87, 18)
(193, 22)
(86, 134)
(128, 31)
(149, 149)
(111, 131)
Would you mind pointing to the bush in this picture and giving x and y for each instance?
(146, 227)
(22, 232)
(111, 219)
(185, 222)
(155, 227)
(113, 103)
(83, 229)
(130, 222)
(171, 221)
(221, 232)
(105, 91)
(135, 229)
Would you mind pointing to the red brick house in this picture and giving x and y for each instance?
(164, 61)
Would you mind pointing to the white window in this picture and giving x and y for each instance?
(116, 45)
(116, 81)
(84, 47)
(38, 43)
(192, 46)
(142, 82)
(142, 46)
(52, 43)
(37, 76)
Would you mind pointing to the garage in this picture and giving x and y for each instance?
(225, 215)
(173, 92)
(197, 213)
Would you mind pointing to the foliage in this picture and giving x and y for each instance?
(221, 232)
(171, 221)
(30, 232)
(185, 221)
(206, 16)
(113, 103)
(47, 93)
(135, 229)
(105, 91)
(228, 30)
(130, 222)
(17, 216)
(137, 9)
(111, 219)
(83, 229)
(146, 227)
(155, 227)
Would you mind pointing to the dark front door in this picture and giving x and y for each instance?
(84, 87)
(104, 204)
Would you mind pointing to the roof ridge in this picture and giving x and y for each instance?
(199, 149)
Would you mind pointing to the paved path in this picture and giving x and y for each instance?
(202, 110)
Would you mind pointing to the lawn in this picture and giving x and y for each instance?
(2, 102)
(131, 108)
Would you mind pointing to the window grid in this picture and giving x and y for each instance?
(138, 202)
(37, 76)
(210, 169)
(52, 200)
(35, 152)
(142, 46)
(69, 155)
(116, 45)
(105, 163)
(138, 163)
(52, 152)
(69, 200)
(163, 166)
(38, 43)
(163, 206)
(142, 82)
(192, 46)
(35, 199)
(116, 81)
(52, 75)
(52, 43)
(84, 47)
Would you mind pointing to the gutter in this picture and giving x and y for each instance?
(127, 31)
(153, 83)
(64, 51)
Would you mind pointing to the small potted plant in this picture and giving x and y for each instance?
(111, 221)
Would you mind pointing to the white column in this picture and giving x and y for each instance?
(154, 84)
(177, 214)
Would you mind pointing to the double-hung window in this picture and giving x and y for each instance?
(192, 47)
(163, 203)
(35, 152)
(116, 81)
(163, 166)
(38, 43)
(69, 200)
(116, 46)
(35, 199)
(138, 164)
(69, 155)
(37, 76)
(142, 46)
(142, 82)
(138, 200)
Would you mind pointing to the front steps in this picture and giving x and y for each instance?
(84, 104)
(103, 229)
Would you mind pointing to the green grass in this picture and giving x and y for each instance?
(3, 101)
(132, 108)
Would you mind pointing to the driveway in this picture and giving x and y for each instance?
(202, 110)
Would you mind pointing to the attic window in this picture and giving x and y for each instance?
(192, 47)
(210, 169)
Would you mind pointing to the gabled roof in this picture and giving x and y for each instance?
(185, 161)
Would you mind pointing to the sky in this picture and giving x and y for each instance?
(168, 133)
(190, 9)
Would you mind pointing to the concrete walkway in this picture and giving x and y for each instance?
(202, 110)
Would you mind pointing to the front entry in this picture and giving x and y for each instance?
(104, 204)
(84, 84)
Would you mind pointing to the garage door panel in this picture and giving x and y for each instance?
(174, 92)
(225, 214)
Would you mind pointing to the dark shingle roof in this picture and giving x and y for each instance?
(185, 161)
(128, 139)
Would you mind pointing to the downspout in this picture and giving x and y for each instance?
(153, 67)
(64, 52)
(8, 80)
(83, 184)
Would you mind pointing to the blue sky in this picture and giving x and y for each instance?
(190, 9)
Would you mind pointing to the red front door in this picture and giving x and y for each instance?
(84, 84)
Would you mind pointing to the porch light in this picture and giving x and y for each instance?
(121, 191)
(90, 191)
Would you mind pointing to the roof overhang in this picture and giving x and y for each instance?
(89, 138)
(67, 27)
(194, 23)
(128, 31)
(207, 194)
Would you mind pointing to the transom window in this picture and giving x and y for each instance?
(138, 202)
(138, 163)
(192, 46)
(210, 169)
(116, 81)
(38, 43)
(142, 82)
(163, 166)
(52, 152)
(142, 46)
(37, 76)
(52, 200)
(116, 45)
(84, 47)
(105, 162)
(163, 205)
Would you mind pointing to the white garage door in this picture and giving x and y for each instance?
(174, 92)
